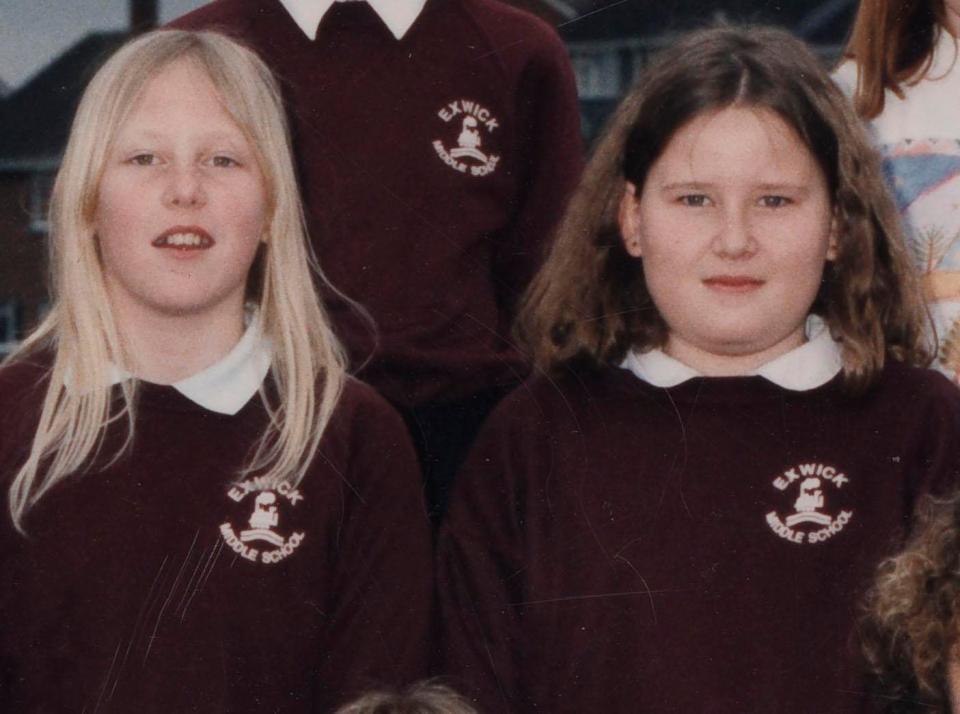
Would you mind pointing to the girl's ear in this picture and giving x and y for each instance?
(629, 222)
(832, 246)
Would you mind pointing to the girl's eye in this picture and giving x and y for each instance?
(694, 200)
(143, 160)
(774, 201)
(224, 162)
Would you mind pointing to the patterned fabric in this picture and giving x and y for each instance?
(919, 137)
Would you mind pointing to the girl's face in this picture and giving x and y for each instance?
(181, 204)
(734, 225)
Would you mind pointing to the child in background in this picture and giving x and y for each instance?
(902, 72)
(730, 428)
(204, 512)
(438, 142)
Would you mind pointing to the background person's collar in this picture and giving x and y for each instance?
(397, 15)
(811, 365)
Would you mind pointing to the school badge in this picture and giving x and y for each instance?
(260, 536)
(810, 518)
(469, 127)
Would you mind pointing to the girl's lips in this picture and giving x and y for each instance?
(184, 238)
(733, 283)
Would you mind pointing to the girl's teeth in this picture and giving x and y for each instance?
(184, 239)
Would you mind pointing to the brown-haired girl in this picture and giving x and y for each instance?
(730, 427)
(902, 72)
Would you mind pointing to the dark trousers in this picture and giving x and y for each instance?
(442, 435)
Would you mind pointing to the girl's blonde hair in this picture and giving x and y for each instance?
(590, 303)
(892, 43)
(81, 331)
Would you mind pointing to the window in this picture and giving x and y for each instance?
(9, 325)
(598, 73)
(41, 185)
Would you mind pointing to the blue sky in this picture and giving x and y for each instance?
(33, 32)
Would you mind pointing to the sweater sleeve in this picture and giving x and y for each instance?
(381, 609)
(482, 560)
(22, 387)
(549, 134)
(937, 471)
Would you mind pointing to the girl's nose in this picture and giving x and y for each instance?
(734, 237)
(184, 187)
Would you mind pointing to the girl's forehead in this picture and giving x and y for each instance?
(182, 89)
(736, 142)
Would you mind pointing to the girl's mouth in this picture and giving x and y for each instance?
(184, 238)
(733, 283)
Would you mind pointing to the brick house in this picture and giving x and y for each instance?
(34, 123)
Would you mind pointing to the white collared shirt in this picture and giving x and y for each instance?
(397, 15)
(811, 365)
(225, 386)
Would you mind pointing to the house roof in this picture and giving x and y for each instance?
(821, 22)
(36, 117)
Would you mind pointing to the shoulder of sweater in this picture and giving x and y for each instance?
(363, 418)
(550, 399)
(20, 378)
(510, 29)
(22, 391)
(360, 400)
(918, 387)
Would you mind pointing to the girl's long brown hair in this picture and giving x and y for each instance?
(892, 43)
(590, 302)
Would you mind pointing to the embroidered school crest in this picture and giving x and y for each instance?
(259, 534)
(468, 138)
(808, 517)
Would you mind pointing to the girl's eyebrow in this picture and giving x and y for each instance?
(704, 185)
(686, 185)
(214, 136)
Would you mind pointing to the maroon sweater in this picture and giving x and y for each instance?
(434, 241)
(617, 547)
(158, 585)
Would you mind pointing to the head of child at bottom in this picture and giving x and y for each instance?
(428, 697)
(911, 616)
(733, 194)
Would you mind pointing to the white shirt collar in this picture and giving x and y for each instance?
(225, 386)
(811, 365)
(397, 15)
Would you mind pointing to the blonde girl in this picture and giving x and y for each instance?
(205, 512)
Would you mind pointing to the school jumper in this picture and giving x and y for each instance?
(164, 582)
(436, 144)
(689, 545)
(919, 137)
